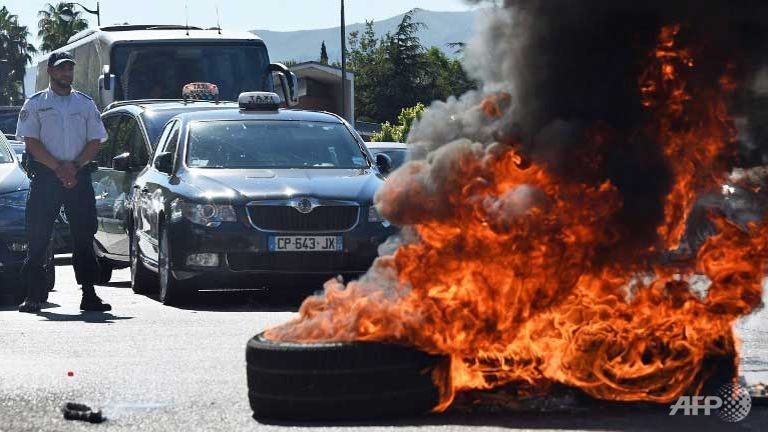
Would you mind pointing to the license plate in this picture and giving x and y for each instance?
(305, 243)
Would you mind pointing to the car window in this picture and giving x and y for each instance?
(169, 140)
(8, 120)
(161, 142)
(136, 144)
(397, 155)
(173, 142)
(5, 152)
(115, 144)
(272, 144)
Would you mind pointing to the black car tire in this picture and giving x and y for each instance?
(171, 291)
(338, 381)
(142, 279)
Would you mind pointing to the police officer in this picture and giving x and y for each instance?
(62, 130)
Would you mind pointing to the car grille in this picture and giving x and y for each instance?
(299, 262)
(285, 218)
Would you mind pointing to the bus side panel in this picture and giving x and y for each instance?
(41, 82)
(88, 69)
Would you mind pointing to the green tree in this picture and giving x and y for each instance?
(15, 54)
(442, 77)
(366, 59)
(57, 24)
(323, 54)
(396, 71)
(399, 132)
(404, 59)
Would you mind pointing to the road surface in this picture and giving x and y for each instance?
(151, 367)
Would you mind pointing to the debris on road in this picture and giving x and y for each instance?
(76, 411)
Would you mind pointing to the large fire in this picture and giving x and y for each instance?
(520, 281)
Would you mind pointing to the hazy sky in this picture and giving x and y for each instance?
(237, 14)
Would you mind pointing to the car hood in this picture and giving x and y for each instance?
(258, 184)
(12, 178)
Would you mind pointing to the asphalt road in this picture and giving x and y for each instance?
(151, 367)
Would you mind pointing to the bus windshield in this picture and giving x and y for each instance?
(160, 70)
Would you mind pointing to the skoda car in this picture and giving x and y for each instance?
(133, 128)
(235, 194)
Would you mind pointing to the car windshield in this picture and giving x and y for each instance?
(160, 70)
(272, 144)
(8, 120)
(155, 120)
(5, 153)
(397, 155)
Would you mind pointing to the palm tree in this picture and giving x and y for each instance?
(57, 24)
(15, 53)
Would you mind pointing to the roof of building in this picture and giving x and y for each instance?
(320, 72)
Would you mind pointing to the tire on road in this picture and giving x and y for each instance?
(142, 279)
(171, 291)
(338, 381)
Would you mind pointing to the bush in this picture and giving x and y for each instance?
(399, 132)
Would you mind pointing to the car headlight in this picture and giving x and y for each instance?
(208, 214)
(16, 199)
(374, 216)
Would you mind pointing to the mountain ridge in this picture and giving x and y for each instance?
(441, 29)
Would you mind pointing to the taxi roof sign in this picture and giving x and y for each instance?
(259, 101)
(200, 91)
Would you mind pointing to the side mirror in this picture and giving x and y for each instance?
(122, 162)
(288, 83)
(384, 163)
(164, 162)
(107, 84)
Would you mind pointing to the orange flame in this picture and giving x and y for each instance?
(510, 277)
(694, 136)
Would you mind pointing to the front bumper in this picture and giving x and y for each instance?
(243, 252)
(11, 260)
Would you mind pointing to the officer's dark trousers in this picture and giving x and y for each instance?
(46, 196)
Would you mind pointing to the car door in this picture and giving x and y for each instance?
(106, 180)
(149, 195)
(116, 223)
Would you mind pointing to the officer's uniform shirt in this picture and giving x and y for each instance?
(64, 124)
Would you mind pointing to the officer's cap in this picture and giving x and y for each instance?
(57, 58)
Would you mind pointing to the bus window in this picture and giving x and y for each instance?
(160, 70)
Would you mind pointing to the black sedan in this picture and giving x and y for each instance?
(14, 188)
(133, 128)
(235, 195)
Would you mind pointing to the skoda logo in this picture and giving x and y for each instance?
(304, 205)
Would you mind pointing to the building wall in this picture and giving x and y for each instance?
(318, 96)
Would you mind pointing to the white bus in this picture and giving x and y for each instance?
(130, 62)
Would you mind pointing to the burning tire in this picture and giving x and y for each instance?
(335, 381)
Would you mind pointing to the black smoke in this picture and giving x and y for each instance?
(573, 68)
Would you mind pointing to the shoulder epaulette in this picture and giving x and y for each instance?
(83, 94)
(37, 94)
